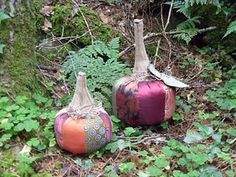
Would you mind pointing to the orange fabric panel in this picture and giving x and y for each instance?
(73, 135)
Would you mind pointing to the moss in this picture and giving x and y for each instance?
(19, 62)
(64, 22)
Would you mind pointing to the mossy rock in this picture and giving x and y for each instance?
(19, 62)
(69, 24)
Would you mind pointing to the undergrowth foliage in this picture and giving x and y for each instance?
(100, 63)
(188, 28)
(31, 120)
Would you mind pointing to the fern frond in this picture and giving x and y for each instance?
(183, 6)
(100, 62)
(186, 35)
(187, 29)
(231, 28)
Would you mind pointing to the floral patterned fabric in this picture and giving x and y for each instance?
(141, 103)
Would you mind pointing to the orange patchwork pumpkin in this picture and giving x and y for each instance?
(82, 127)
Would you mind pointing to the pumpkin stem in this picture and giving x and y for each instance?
(141, 58)
(81, 96)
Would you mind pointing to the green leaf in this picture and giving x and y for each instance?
(7, 126)
(154, 171)
(168, 152)
(3, 16)
(40, 99)
(205, 130)
(4, 138)
(177, 173)
(19, 127)
(129, 131)
(199, 159)
(21, 99)
(115, 119)
(217, 137)
(12, 107)
(225, 156)
(143, 174)
(192, 136)
(112, 147)
(231, 131)
(230, 173)
(1, 48)
(33, 142)
(30, 125)
(183, 161)
(231, 28)
(162, 162)
(125, 167)
(178, 116)
(88, 164)
(211, 171)
(194, 173)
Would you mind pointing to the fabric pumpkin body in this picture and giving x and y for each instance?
(138, 99)
(144, 102)
(78, 133)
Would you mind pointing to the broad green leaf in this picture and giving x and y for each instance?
(21, 99)
(129, 131)
(225, 156)
(4, 138)
(19, 127)
(33, 142)
(199, 159)
(30, 125)
(231, 131)
(143, 174)
(154, 171)
(88, 164)
(168, 152)
(3, 16)
(205, 130)
(211, 171)
(230, 173)
(194, 173)
(125, 167)
(1, 48)
(217, 137)
(231, 28)
(178, 116)
(162, 162)
(177, 173)
(192, 136)
(182, 161)
(12, 107)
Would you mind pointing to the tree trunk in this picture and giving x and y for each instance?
(18, 64)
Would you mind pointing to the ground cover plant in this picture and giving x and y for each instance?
(193, 40)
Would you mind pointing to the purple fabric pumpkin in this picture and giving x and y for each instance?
(138, 99)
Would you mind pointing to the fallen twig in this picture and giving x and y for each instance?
(150, 35)
(48, 68)
(86, 22)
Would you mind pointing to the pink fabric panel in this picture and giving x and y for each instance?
(60, 119)
(141, 103)
(151, 98)
(107, 122)
(170, 101)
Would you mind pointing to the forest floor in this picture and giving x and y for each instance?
(200, 140)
